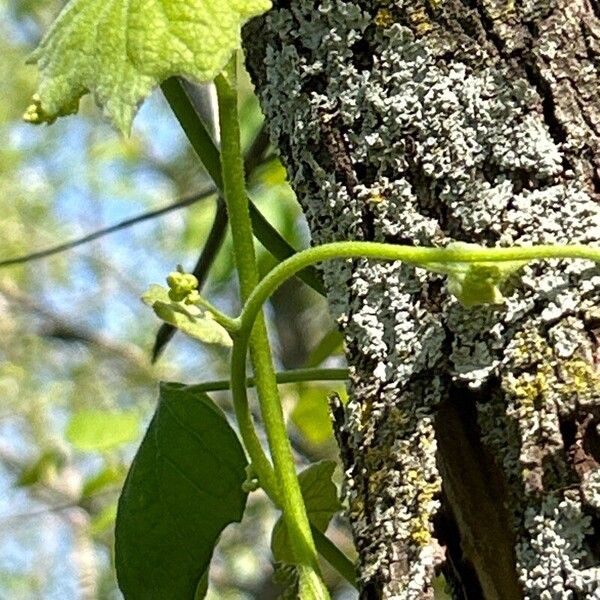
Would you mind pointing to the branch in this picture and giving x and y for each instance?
(178, 204)
(63, 329)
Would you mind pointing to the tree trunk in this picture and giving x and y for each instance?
(471, 441)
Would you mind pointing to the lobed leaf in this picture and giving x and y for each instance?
(119, 50)
(184, 487)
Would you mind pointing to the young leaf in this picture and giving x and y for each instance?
(98, 430)
(120, 49)
(189, 318)
(109, 476)
(475, 283)
(196, 323)
(184, 487)
(103, 521)
(321, 499)
(41, 469)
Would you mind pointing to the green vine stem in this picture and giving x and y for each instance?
(292, 376)
(285, 484)
(376, 251)
(281, 483)
(410, 254)
(206, 149)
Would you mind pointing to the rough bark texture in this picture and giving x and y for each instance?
(471, 441)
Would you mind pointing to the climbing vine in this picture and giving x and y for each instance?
(191, 475)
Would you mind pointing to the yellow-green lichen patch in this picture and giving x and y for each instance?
(420, 21)
(578, 381)
(384, 18)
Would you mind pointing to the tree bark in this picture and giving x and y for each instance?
(471, 441)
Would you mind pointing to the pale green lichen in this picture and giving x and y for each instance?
(450, 148)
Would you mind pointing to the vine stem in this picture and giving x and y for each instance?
(291, 376)
(375, 251)
(410, 254)
(282, 482)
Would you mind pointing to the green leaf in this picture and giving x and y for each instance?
(311, 414)
(103, 520)
(321, 500)
(475, 283)
(97, 430)
(184, 487)
(189, 318)
(331, 343)
(110, 476)
(119, 50)
(155, 293)
(42, 469)
(194, 322)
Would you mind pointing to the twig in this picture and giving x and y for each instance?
(63, 329)
(182, 203)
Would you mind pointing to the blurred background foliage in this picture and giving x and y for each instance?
(77, 386)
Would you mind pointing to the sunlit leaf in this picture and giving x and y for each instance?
(311, 414)
(183, 489)
(331, 343)
(96, 430)
(42, 468)
(110, 476)
(189, 318)
(103, 520)
(155, 293)
(120, 49)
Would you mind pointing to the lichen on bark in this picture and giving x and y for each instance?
(470, 442)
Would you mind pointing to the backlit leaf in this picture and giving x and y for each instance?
(311, 414)
(97, 430)
(120, 49)
(189, 318)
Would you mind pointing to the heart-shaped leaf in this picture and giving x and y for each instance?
(184, 487)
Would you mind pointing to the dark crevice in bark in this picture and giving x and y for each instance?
(555, 127)
(595, 5)
(474, 489)
(487, 25)
(362, 52)
(459, 573)
(582, 443)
